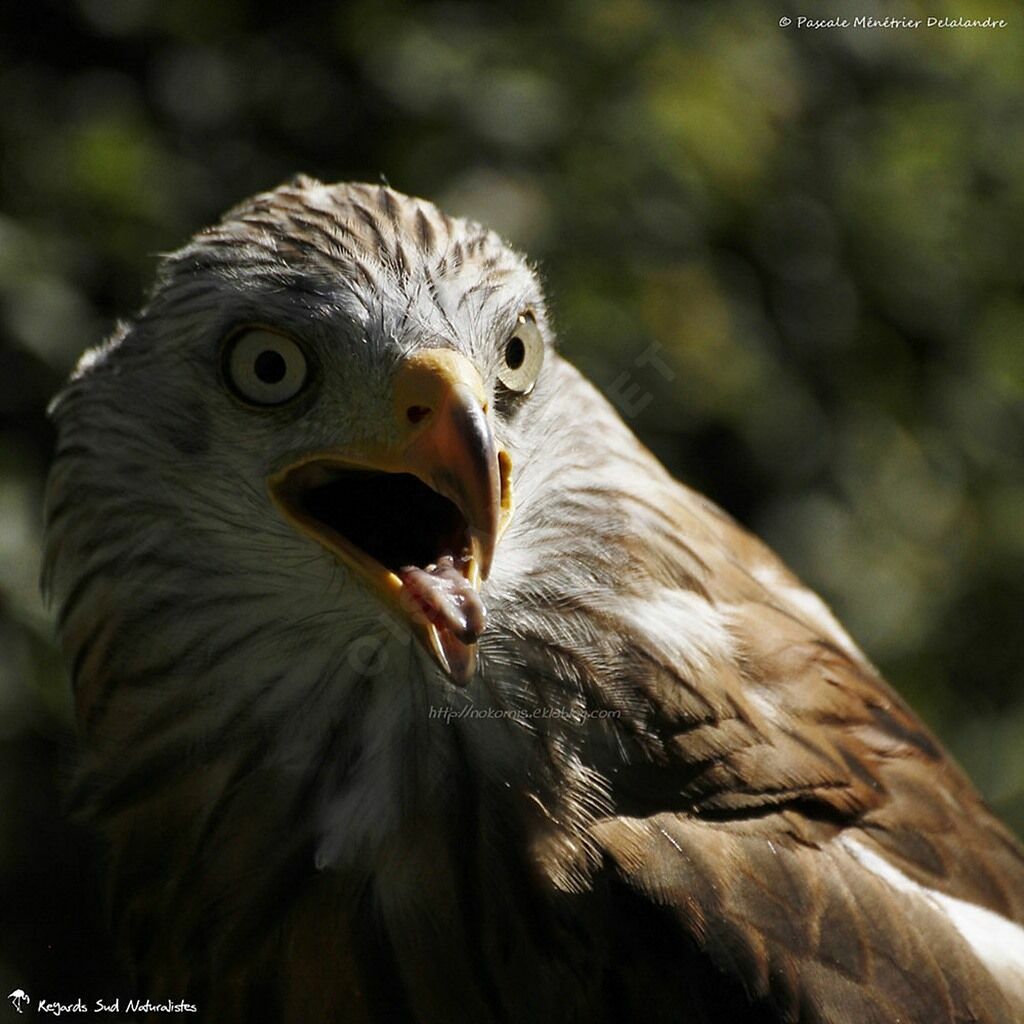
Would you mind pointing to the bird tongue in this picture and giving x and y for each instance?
(450, 603)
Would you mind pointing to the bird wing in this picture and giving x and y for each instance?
(795, 820)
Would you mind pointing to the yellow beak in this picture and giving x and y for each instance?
(441, 399)
(441, 435)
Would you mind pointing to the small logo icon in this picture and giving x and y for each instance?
(18, 999)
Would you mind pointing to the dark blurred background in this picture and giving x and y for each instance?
(819, 231)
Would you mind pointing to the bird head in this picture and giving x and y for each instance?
(290, 502)
(335, 365)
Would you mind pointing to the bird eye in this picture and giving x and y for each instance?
(522, 356)
(265, 368)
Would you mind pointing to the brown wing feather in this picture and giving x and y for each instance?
(769, 764)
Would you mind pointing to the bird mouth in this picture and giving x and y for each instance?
(410, 543)
(418, 513)
(392, 519)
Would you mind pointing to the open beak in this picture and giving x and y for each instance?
(418, 518)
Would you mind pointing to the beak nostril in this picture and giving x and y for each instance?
(415, 413)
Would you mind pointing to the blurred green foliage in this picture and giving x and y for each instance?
(818, 231)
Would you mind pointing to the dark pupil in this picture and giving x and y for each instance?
(270, 367)
(515, 353)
